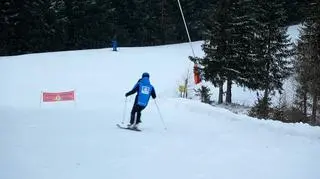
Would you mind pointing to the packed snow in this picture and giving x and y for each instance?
(79, 139)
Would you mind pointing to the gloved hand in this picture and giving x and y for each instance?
(127, 95)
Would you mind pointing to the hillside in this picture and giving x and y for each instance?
(79, 139)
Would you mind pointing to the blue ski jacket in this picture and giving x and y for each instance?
(144, 90)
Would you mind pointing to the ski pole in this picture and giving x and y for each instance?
(124, 111)
(160, 115)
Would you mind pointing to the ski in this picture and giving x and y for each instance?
(136, 129)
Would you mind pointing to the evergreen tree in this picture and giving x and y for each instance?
(51, 25)
(215, 46)
(58, 23)
(272, 48)
(204, 93)
(242, 27)
(97, 27)
(308, 59)
(121, 19)
(8, 20)
(194, 11)
(228, 45)
(300, 65)
(261, 108)
(12, 27)
(37, 27)
(296, 11)
(150, 17)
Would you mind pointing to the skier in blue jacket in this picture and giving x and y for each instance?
(144, 90)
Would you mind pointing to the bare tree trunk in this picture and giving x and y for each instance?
(220, 100)
(186, 87)
(314, 109)
(229, 94)
(305, 98)
(266, 93)
(266, 109)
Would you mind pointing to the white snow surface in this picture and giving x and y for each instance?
(80, 140)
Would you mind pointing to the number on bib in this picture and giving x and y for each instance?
(145, 90)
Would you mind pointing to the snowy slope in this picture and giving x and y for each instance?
(79, 140)
(201, 142)
(98, 76)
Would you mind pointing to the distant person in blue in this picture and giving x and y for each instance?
(114, 45)
(144, 90)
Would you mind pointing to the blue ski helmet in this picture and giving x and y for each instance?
(145, 74)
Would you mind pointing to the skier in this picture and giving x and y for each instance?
(114, 45)
(144, 89)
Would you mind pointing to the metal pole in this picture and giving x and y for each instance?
(124, 111)
(190, 42)
(185, 25)
(160, 115)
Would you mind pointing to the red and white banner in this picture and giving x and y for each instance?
(58, 96)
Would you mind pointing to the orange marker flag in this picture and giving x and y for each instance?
(196, 74)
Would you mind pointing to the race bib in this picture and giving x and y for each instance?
(145, 90)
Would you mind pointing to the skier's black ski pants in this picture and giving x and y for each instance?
(136, 109)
